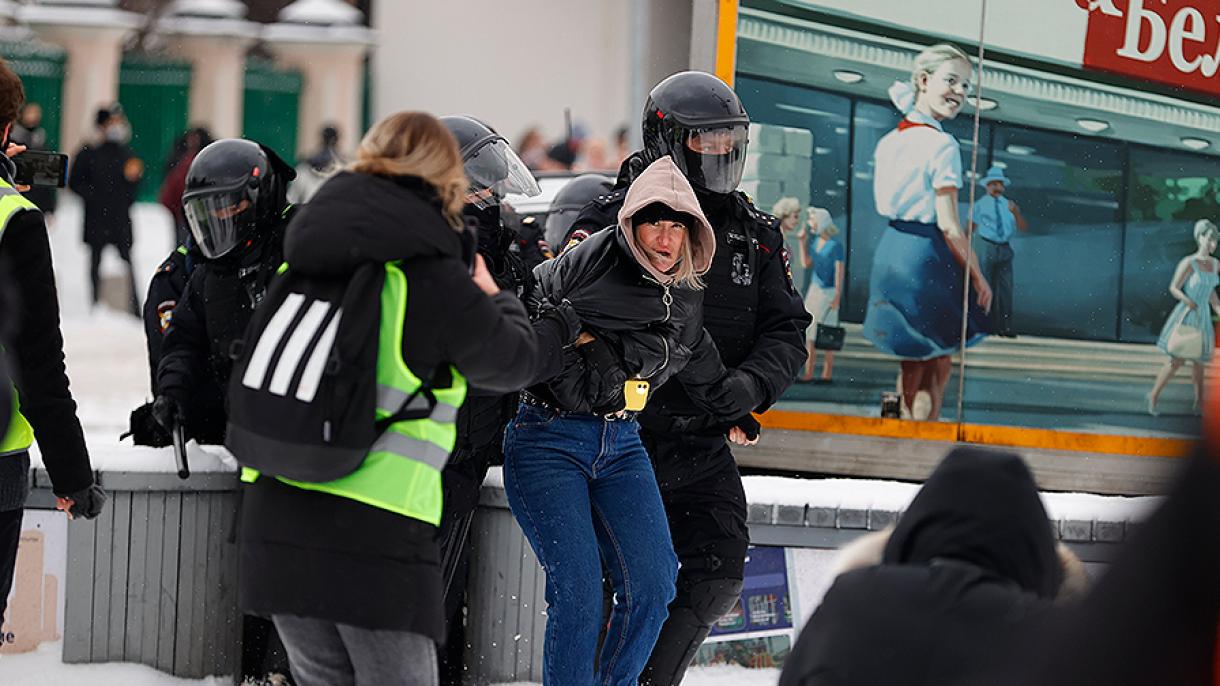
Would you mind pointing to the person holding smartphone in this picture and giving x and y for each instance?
(47, 412)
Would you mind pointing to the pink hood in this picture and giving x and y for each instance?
(663, 182)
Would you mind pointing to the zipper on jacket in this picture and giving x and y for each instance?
(667, 299)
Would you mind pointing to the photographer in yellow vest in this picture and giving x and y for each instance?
(44, 409)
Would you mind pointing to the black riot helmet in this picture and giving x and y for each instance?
(233, 188)
(568, 203)
(699, 121)
(491, 164)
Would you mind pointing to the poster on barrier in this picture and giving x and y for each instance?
(758, 632)
(35, 612)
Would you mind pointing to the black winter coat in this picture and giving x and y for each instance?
(37, 353)
(966, 584)
(210, 316)
(317, 555)
(751, 309)
(97, 176)
(654, 332)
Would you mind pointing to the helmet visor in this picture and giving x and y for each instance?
(496, 167)
(218, 221)
(713, 158)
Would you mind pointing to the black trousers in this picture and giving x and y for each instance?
(706, 507)
(95, 264)
(10, 536)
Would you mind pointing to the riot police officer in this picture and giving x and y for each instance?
(494, 170)
(236, 206)
(757, 319)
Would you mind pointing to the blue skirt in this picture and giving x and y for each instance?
(915, 295)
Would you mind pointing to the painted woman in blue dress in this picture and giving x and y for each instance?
(1188, 334)
(915, 291)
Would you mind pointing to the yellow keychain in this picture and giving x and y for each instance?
(635, 392)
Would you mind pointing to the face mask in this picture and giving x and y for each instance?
(119, 133)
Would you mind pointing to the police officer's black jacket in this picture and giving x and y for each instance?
(319, 555)
(750, 306)
(164, 290)
(212, 314)
(37, 351)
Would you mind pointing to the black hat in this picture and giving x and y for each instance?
(659, 211)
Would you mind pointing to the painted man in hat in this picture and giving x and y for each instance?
(996, 220)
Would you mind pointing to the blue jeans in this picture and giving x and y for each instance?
(583, 490)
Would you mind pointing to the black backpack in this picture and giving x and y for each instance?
(303, 392)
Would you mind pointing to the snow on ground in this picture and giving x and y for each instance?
(43, 668)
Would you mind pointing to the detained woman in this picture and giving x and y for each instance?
(578, 479)
(349, 570)
(915, 291)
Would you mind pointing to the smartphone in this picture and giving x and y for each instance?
(41, 168)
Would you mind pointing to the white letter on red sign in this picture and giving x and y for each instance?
(1179, 32)
(1136, 16)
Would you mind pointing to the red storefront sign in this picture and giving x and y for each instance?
(1176, 42)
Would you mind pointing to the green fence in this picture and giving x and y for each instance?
(41, 68)
(271, 103)
(154, 93)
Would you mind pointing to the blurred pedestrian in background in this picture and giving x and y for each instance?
(106, 175)
(28, 131)
(317, 167)
(532, 149)
(185, 148)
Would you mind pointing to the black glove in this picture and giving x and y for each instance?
(565, 314)
(145, 430)
(87, 503)
(605, 377)
(168, 412)
(749, 425)
(737, 395)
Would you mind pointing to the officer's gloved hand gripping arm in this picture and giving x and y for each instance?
(38, 355)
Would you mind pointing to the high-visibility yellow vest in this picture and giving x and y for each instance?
(20, 435)
(402, 471)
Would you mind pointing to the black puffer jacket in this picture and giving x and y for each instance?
(966, 582)
(645, 323)
(317, 555)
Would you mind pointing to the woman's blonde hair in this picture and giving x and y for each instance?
(1205, 228)
(785, 206)
(684, 270)
(417, 144)
(928, 61)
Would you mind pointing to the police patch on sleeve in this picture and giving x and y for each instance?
(165, 314)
